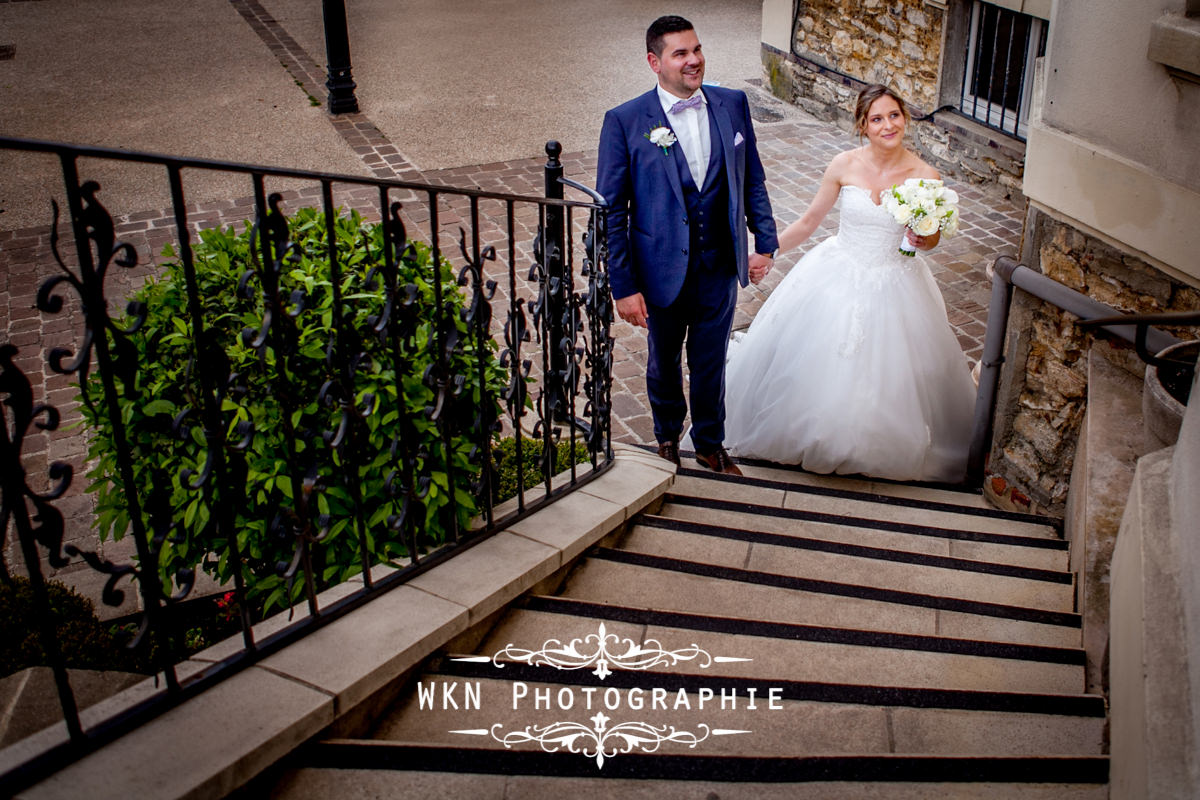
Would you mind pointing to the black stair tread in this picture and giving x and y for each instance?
(1042, 616)
(800, 632)
(880, 498)
(934, 543)
(862, 551)
(743, 648)
(741, 507)
(359, 754)
(877, 568)
(629, 584)
(474, 666)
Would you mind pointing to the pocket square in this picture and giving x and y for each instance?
(737, 139)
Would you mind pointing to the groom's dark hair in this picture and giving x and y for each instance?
(660, 28)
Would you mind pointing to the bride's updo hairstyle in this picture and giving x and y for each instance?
(868, 96)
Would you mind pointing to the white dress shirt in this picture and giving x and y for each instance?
(691, 131)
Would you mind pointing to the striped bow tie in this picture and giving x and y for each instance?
(692, 102)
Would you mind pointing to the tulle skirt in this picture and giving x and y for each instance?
(852, 368)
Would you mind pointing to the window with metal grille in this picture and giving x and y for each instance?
(998, 77)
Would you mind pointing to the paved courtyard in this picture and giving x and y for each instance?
(234, 79)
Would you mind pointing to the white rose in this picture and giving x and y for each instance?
(925, 226)
(902, 213)
(662, 137)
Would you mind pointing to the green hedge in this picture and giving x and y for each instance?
(167, 384)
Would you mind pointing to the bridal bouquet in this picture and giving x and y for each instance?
(925, 206)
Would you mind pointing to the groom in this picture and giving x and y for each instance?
(680, 170)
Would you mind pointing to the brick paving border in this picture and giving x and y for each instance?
(363, 136)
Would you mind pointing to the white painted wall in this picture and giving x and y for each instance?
(1102, 87)
(1114, 141)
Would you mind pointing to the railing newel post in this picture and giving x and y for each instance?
(557, 311)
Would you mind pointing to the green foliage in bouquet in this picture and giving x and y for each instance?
(288, 425)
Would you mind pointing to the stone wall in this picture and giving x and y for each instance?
(1044, 386)
(895, 42)
(840, 46)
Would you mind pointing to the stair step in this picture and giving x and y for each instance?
(889, 490)
(1036, 552)
(863, 504)
(864, 566)
(670, 586)
(689, 673)
(808, 653)
(765, 727)
(354, 769)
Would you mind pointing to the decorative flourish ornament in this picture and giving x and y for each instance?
(602, 649)
(599, 741)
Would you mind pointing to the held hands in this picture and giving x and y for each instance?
(760, 265)
(632, 309)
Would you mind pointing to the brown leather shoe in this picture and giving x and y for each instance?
(669, 451)
(719, 461)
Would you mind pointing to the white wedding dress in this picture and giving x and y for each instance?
(851, 365)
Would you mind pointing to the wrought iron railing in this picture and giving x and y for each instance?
(514, 339)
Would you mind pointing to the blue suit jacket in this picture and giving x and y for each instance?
(647, 223)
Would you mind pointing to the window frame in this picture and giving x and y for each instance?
(959, 57)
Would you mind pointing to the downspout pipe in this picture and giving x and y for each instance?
(1010, 273)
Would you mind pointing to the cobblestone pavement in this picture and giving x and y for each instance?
(794, 147)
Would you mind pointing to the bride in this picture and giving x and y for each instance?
(851, 365)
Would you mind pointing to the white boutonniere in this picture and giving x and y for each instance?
(661, 136)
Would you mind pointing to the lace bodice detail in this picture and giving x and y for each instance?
(868, 229)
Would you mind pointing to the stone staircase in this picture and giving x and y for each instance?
(776, 635)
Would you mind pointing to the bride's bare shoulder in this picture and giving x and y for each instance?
(842, 166)
(920, 169)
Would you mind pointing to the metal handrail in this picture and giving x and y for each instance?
(1009, 273)
(1143, 322)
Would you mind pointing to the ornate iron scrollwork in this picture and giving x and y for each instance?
(598, 354)
(300, 523)
(479, 322)
(396, 326)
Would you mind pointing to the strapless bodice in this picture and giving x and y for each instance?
(868, 229)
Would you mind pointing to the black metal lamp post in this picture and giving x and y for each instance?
(337, 52)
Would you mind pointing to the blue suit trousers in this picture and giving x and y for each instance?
(701, 316)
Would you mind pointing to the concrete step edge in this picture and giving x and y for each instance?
(1014, 540)
(411, 756)
(1020, 613)
(857, 550)
(1074, 656)
(468, 666)
(873, 497)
